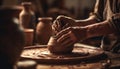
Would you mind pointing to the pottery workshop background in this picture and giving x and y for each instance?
(78, 8)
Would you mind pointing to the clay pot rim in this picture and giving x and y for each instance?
(26, 3)
(28, 30)
(45, 18)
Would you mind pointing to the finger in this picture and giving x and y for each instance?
(70, 40)
(68, 44)
(65, 41)
(63, 38)
(63, 32)
(60, 17)
(56, 26)
(72, 36)
(63, 20)
(66, 25)
(59, 25)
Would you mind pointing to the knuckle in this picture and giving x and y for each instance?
(60, 17)
(62, 36)
(70, 28)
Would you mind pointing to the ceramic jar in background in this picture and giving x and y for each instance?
(28, 37)
(27, 16)
(44, 30)
(11, 39)
(27, 21)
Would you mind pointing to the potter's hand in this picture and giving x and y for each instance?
(60, 49)
(62, 22)
(69, 36)
(57, 48)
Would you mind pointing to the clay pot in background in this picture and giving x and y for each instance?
(28, 37)
(43, 30)
(27, 16)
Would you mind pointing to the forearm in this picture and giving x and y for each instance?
(88, 21)
(98, 29)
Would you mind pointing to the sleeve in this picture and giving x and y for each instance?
(98, 10)
(115, 20)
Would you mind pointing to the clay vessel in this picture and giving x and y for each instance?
(28, 37)
(56, 48)
(27, 16)
(44, 30)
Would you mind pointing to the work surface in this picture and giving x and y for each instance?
(113, 61)
(109, 59)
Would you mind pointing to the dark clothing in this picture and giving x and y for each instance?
(109, 10)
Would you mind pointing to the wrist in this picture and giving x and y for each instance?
(98, 29)
(80, 33)
(87, 30)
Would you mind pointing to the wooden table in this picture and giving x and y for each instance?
(114, 64)
(112, 61)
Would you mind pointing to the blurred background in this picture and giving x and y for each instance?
(78, 9)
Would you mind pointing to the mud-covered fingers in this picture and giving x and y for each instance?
(67, 36)
(63, 32)
(56, 26)
(67, 44)
(72, 36)
(61, 17)
(67, 39)
(66, 25)
(63, 38)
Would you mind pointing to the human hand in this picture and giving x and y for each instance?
(57, 48)
(70, 35)
(62, 22)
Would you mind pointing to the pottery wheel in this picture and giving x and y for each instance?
(42, 55)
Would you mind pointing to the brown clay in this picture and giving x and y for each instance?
(28, 37)
(43, 30)
(56, 48)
